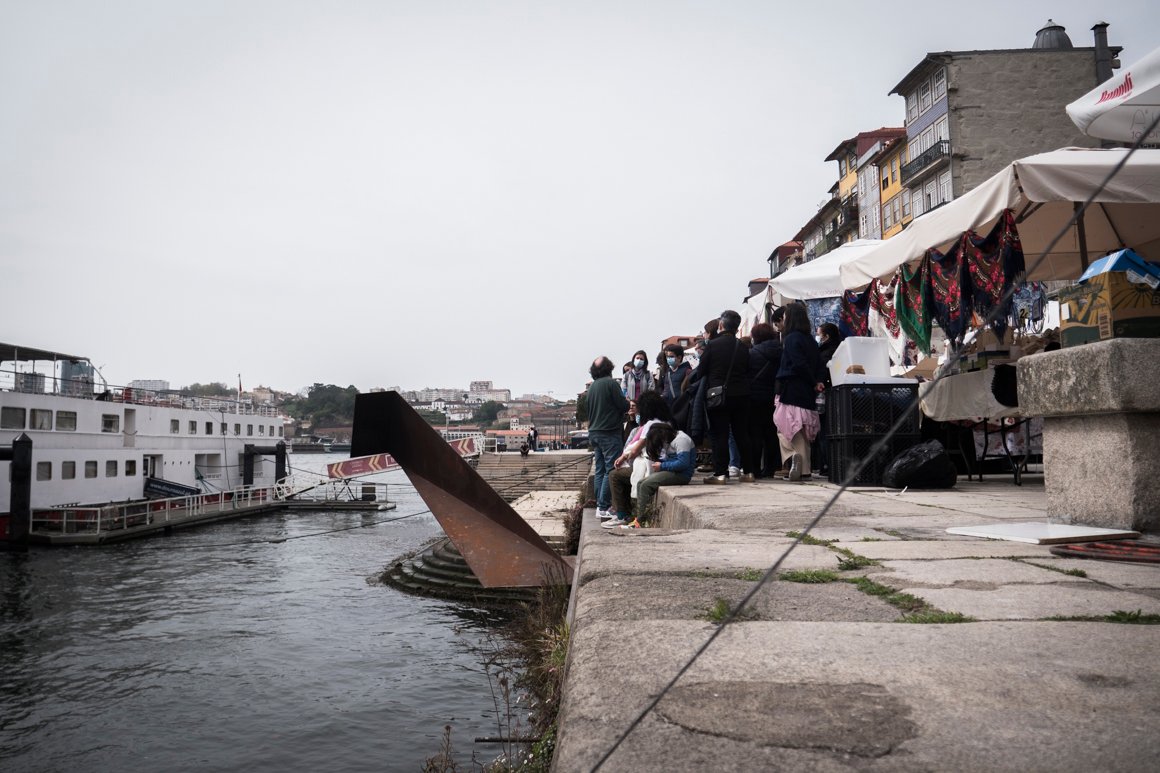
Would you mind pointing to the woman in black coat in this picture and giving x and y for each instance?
(800, 378)
(764, 362)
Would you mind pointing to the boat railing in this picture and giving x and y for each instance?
(332, 491)
(175, 510)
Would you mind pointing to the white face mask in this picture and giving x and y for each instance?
(818, 339)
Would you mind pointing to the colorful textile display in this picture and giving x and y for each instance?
(855, 317)
(946, 285)
(912, 303)
(994, 263)
(882, 301)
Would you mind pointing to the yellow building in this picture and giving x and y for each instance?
(895, 198)
(846, 223)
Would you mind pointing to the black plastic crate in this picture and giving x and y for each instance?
(871, 409)
(845, 451)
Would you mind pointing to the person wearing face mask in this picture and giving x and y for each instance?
(677, 372)
(638, 379)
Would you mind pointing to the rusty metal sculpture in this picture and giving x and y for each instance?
(499, 546)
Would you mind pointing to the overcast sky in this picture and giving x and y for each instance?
(428, 193)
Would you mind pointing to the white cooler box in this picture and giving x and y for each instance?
(873, 354)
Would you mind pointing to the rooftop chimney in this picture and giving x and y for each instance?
(1103, 53)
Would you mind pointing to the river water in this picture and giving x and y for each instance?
(224, 648)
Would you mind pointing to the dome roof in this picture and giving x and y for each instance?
(1051, 35)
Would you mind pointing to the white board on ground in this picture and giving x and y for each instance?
(1039, 533)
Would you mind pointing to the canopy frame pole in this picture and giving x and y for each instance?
(1112, 225)
(1029, 209)
(1082, 234)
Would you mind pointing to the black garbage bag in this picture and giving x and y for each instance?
(926, 465)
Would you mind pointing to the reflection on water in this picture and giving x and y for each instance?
(216, 649)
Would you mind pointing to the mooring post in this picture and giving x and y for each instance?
(20, 498)
(280, 462)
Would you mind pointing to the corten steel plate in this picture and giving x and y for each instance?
(500, 547)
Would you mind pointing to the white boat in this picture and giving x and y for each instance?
(94, 444)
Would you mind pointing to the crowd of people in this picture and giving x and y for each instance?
(753, 401)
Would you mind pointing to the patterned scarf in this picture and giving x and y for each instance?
(951, 309)
(994, 263)
(855, 318)
(882, 301)
(912, 303)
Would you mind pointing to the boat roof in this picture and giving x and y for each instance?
(12, 352)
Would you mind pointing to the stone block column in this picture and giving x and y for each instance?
(1101, 431)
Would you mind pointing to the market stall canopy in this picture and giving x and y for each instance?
(1123, 107)
(819, 277)
(1043, 191)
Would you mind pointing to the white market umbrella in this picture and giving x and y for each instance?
(1121, 108)
(1043, 190)
(819, 278)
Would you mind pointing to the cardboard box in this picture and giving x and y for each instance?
(1117, 297)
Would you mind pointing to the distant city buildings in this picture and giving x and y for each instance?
(150, 384)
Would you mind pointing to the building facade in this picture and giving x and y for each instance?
(971, 113)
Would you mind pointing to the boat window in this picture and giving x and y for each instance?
(11, 418)
(174, 426)
(193, 427)
(249, 430)
(271, 430)
(281, 431)
(40, 419)
(237, 429)
(110, 422)
(91, 469)
(66, 421)
(209, 428)
(224, 427)
(44, 470)
(262, 430)
(130, 467)
(68, 470)
(111, 468)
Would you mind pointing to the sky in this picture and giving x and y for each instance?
(432, 193)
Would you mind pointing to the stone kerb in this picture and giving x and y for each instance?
(1101, 431)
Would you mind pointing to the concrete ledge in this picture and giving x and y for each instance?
(1117, 376)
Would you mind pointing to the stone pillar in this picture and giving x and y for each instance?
(1101, 431)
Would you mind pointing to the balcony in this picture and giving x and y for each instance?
(929, 159)
(847, 215)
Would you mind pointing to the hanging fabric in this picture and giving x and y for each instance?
(950, 308)
(855, 318)
(994, 263)
(912, 303)
(884, 317)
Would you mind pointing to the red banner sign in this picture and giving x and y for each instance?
(369, 465)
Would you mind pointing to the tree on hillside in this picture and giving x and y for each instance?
(581, 409)
(216, 389)
(488, 411)
(325, 405)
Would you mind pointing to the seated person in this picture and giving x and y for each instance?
(672, 460)
(650, 410)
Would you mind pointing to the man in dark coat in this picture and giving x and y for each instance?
(725, 363)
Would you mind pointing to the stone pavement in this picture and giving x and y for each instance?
(826, 675)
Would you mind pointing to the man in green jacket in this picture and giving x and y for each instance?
(606, 409)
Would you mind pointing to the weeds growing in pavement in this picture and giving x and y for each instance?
(903, 601)
(809, 539)
(936, 616)
(871, 539)
(851, 560)
(810, 576)
(750, 575)
(719, 611)
(1075, 572)
(1119, 616)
